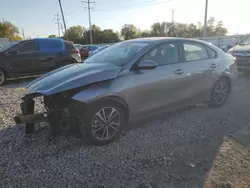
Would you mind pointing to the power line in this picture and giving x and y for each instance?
(72, 11)
(90, 25)
(149, 3)
(57, 19)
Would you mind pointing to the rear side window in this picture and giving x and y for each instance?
(194, 51)
(211, 53)
(27, 47)
(50, 45)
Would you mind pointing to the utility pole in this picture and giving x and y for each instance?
(205, 21)
(61, 26)
(173, 25)
(58, 23)
(90, 25)
(23, 33)
(65, 29)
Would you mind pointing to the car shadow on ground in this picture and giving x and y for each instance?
(18, 83)
(187, 164)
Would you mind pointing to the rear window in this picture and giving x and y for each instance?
(69, 45)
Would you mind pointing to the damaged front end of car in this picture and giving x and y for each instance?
(65, 96)
(63, 114)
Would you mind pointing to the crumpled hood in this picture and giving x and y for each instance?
(72, 76)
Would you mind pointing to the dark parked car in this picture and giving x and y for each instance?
(241, 52)
(100, 48)
(128, 81)
(35, 56)
(85, 49)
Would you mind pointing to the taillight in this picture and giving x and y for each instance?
(75, 50)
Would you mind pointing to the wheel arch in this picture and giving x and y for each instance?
(118, 101)
(8, 75)
(228, 79)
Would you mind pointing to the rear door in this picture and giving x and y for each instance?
(199, 68)
(23, 63)
(50, 54)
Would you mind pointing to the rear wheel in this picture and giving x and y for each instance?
(104, 123)
(220, 92)
(2, 77)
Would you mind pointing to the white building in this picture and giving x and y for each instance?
(224, 42)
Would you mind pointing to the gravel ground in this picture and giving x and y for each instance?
(172, 150)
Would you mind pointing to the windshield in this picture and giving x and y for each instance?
(117, 54)
(245, 41)
(7, 45)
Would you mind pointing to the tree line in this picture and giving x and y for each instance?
(10, 31)
(80, 34)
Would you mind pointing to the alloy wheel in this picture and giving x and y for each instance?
(2, 77)
(106, 123)
(221, 92)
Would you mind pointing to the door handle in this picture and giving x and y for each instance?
(179, 71)
(213, 66)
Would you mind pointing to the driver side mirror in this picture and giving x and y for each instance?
(147, 65)
(13, 52)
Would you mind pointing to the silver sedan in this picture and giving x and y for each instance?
(128, 81)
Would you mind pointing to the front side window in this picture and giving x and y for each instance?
(194, 51)
(27, 47)
(7, 45)
(164, 54)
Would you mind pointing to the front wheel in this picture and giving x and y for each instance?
(2, 77)
(220, 92)
(104, 123)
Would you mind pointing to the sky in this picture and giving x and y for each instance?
(36, 17)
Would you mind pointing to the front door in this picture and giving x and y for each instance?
(23, 62)
(160, 88)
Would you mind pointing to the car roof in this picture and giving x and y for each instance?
(42, 39)
(160, 39)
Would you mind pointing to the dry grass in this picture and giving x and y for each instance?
(231, 167)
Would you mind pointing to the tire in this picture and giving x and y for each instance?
(220, 92)
(29, 128)
(2, 77)
(101, 132)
